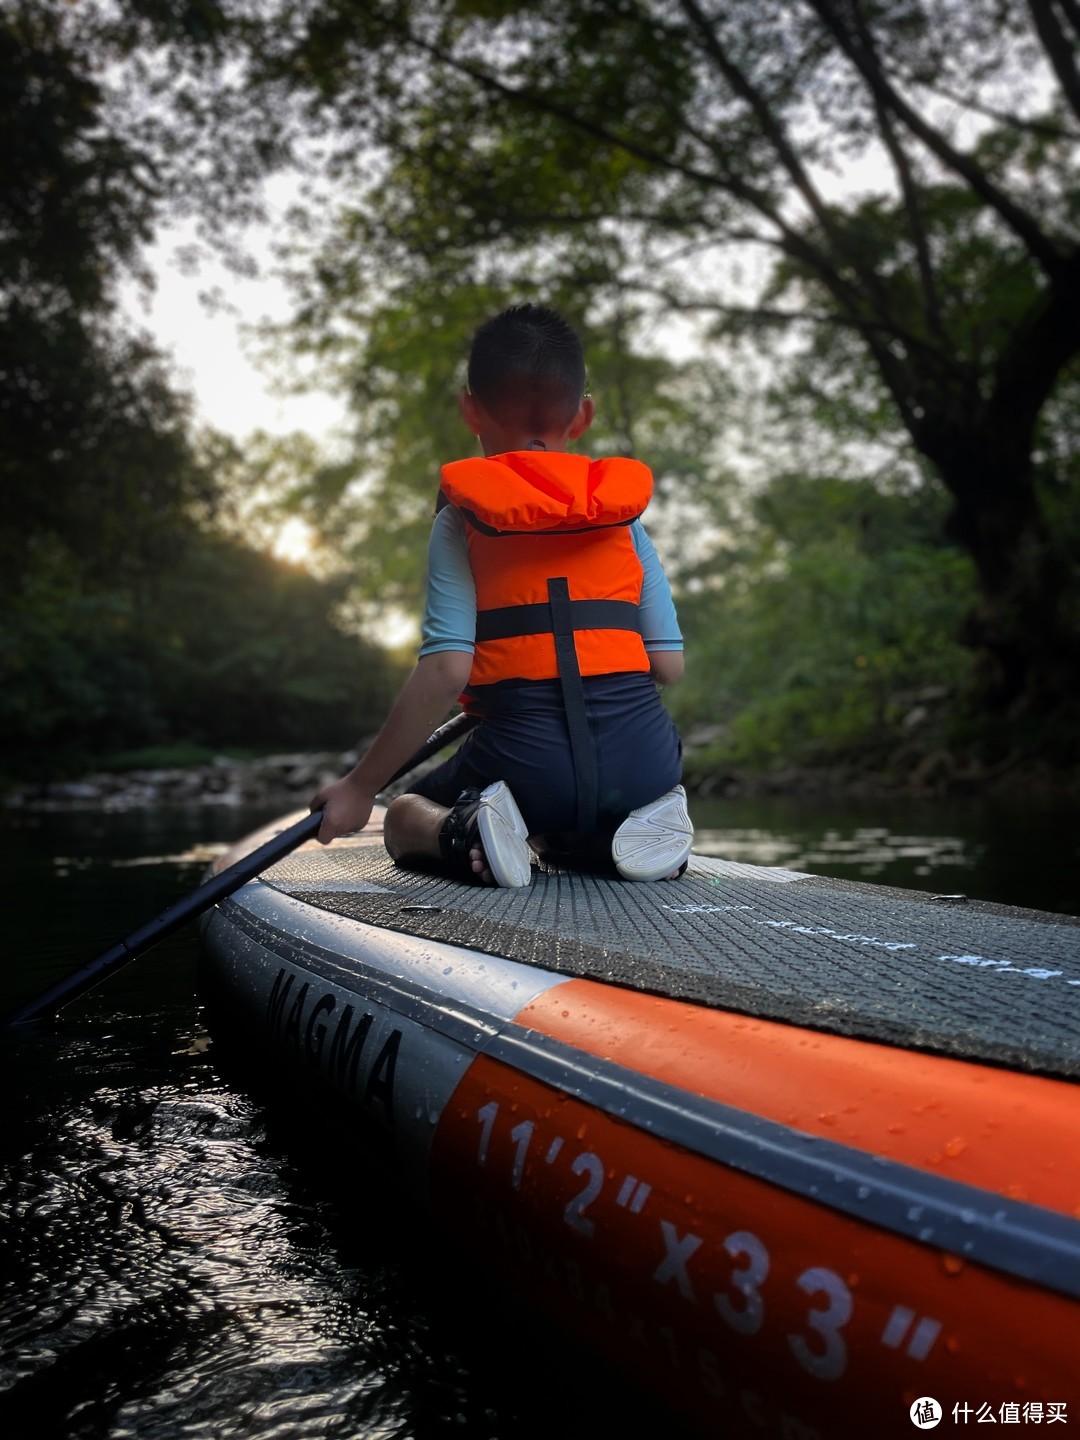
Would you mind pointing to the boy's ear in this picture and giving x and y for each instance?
(470, 412)
(586, 413)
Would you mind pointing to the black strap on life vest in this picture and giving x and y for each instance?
(573, 694)
(506, 622)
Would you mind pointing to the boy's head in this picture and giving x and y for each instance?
(527, 370)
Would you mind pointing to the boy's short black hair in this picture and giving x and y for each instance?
(526, 366)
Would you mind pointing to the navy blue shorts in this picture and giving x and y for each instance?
(523, 739)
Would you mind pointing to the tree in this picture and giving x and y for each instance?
(834, 625)
(671, 151)
(122, 619)
(115, 119)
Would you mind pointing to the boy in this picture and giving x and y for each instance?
(549, 616)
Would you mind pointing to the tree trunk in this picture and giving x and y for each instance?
(1027, 646)
(1026, 628)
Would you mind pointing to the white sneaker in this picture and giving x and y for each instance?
(655, 840)
(504, 836)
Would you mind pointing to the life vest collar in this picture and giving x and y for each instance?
(534, 490)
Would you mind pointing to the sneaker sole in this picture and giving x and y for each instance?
(654, 840)
(505, 837)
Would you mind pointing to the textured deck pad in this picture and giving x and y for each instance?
(974, 980)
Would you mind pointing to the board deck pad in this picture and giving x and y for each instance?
(963, 978)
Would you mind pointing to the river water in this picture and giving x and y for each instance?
(187, 1252)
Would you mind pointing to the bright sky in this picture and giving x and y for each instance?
(215, 359)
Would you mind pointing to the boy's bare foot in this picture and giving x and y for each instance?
(479, 865)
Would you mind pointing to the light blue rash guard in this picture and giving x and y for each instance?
(450, 609)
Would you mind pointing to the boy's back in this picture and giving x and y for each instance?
(546, 598)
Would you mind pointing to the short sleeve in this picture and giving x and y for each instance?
(450, 604)
(659, 621)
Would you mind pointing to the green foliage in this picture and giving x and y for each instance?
(251, 657)
(221, 647)
(177, 756)
(612, 154)
(841, 606)
(94, 457)
(125, 620)
(630, 164)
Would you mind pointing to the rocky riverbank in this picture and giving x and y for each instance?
(292, 779)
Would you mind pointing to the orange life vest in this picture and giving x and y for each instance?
(554, 562)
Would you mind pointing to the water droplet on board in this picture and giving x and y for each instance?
(952, 1264)
(955, 1147)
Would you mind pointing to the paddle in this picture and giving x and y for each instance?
(207, 894)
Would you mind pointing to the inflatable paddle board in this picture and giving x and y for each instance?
(791, 1150)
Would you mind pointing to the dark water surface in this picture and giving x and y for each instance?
(997, 850)
(187, 1252)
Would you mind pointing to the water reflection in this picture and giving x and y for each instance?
(870, 852)
(1014, 855)
(166, 1272)
(188, 1250)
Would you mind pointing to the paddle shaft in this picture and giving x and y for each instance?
(206, 895)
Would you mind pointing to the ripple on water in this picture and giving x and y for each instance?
(176, 1285)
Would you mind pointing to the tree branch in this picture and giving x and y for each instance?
(1059, 50)
(773, 131)
(770, 315)
(912, 208)
(1037, 352)
(770, 126)
(885, 93)
(1003, 117)
(793, 243)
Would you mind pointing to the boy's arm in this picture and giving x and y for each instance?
(666, 666)
(425, 700)
(659, 622)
